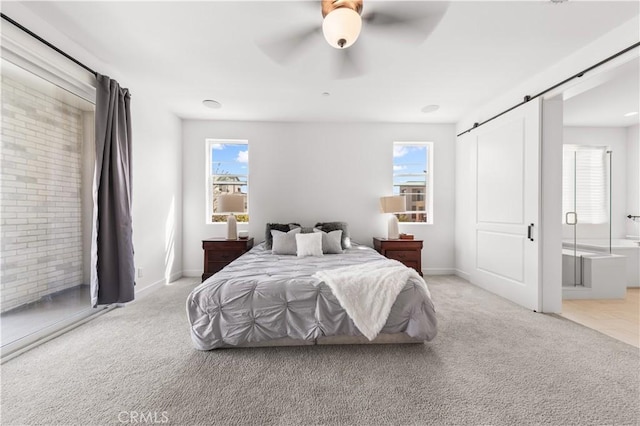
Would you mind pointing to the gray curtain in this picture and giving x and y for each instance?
(113, 271)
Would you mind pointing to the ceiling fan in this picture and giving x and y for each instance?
(408, 22)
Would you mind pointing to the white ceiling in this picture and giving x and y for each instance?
(606, 104)
(189, 51)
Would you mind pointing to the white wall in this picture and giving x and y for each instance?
(551, 205)
(157, 191)
(464, 217)
(157, 153)
(616, 139)
(633, 180)
(309, 172)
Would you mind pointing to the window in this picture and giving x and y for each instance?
(227, 173)
(413, 178)
(584, 183)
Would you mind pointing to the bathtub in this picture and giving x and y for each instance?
(628, 248)
(602, 275)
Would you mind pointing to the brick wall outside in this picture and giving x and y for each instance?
(40, 195)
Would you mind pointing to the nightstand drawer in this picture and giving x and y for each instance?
(223, 256)
(226, 245)
(403, 255)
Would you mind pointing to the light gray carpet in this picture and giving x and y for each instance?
(492, 363)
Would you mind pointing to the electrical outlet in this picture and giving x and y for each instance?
(140, 273)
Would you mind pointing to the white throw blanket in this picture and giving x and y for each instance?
(367, 291)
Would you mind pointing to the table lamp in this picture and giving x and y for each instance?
(231, 203)
(393, 204)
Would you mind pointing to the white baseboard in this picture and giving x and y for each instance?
(438, 271)
(463, 275)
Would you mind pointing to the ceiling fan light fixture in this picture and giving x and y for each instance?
(341, 27)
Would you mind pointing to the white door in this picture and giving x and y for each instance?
(507, 205)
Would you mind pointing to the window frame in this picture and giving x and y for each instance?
(209, 142)
(429, 180)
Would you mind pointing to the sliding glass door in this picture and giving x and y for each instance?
(45, 184)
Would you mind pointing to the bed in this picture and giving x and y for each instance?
(266, 299)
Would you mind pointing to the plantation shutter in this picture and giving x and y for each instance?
(584, 183)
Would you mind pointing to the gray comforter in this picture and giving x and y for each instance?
(261, 297)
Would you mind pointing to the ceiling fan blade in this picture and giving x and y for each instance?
(411, 21)
(349, 63)
(284, 49)
(387, 19)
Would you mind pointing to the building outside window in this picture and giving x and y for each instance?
(227, 173)
(413, 177)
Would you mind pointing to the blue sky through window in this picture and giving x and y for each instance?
(410, 164)
(229, 158)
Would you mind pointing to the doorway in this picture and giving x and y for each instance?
(601, 189)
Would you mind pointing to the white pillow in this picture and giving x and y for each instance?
(309, 244)
(284, 242)
(331, 241)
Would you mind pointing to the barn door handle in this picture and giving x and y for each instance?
(529, 233)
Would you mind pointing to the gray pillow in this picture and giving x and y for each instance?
(283, 227)
(334, 226)
(284, 242)
(331, 241)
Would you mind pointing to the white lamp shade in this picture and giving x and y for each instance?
(230, 203)
(342, 24)
(393, 204)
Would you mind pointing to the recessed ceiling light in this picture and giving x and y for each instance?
(631, 114)
(430, 108)
(210, 103)
(326, 94)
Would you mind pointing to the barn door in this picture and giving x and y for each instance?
(507, 204)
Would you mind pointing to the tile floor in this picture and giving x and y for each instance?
(618, 318)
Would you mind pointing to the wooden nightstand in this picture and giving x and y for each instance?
(408, 252)
(219, 252)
